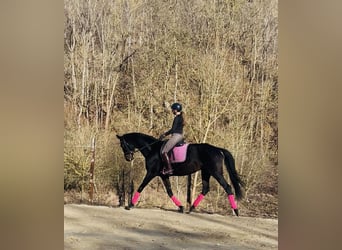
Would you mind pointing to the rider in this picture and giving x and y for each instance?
(177, 136)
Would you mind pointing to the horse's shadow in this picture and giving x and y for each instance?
(179, 210)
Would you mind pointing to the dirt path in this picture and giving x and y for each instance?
(98, 227)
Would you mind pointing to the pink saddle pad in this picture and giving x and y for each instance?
(179, 153)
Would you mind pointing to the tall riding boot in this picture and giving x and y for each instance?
(167, 166)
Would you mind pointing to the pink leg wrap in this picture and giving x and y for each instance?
(176, 201)
(232, 201)
(198, 200)
(135, 198)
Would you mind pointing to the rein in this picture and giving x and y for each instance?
(131, 152)
(146, 146)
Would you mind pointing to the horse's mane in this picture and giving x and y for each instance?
(141, 135)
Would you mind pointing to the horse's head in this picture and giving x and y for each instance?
(127, 148)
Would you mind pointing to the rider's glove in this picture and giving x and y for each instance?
(161, 137)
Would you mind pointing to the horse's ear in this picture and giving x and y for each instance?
(118, 136)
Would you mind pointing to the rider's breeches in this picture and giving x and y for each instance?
(175, 138)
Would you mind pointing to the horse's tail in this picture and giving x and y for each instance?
(233, 175)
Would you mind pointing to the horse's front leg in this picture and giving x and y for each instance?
(167, 185)
(146, 180)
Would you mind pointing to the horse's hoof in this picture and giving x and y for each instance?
(129, 207)
(236, 211)
(181, 209)
(191, 209)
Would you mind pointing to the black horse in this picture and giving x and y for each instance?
(202, 156)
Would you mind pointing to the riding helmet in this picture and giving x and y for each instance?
(176, 106)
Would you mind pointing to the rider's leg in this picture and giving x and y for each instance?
(167, 167)
(167, 147)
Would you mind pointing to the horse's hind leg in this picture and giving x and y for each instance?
(205, 190)
(167, 185)
(228, 189)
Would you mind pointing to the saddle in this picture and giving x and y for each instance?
(178, 153)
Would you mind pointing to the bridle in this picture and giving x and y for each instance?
(129, 149)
